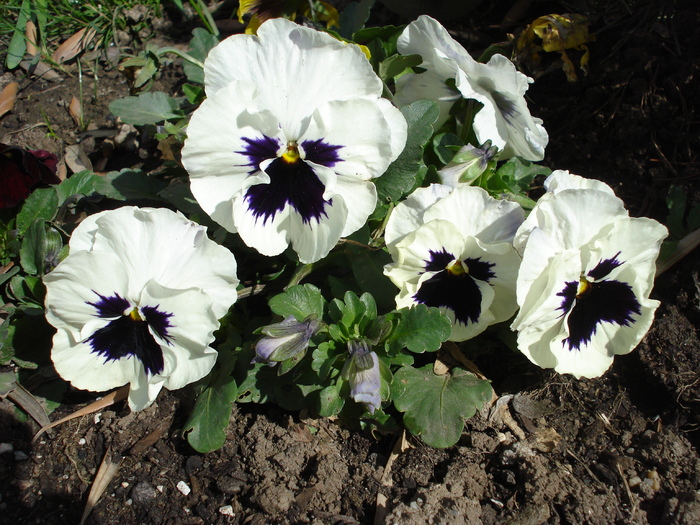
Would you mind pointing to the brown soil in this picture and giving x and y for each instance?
(618, 449)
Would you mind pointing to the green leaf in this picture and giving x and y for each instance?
(404, 173)
(82, 183)
(330, 401)
(299, 302)
(354, 17)
(368, 270)
(130, 184)
(31, 254)
(147, 108)
(397, 64)
(41, 204)
(202, 42)
(206, 426)
(7, 333)
(435, 407)
(18, 44)
(446, 145)
(420, 329)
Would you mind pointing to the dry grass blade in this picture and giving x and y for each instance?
(75, 45)
(27, 402)
(401, 446)
(30, 33)
(104, 475)
(104, 402)
(8, 96)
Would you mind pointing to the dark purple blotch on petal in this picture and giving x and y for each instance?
(460, 293)
(258, 150)
(600, 301)
(321, 152)
(125, 336)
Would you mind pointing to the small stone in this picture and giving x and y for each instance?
(6, 447)
(227, 510)
(20, 456)
(143, 493)
(97, 417)
(81, 441)
(125, 484)
(183, 488)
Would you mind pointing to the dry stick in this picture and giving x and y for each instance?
(109, 399)
(104, 475)
(24, 399)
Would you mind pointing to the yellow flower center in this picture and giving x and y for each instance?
(457, 268)
(135, 315)
(583, 287)
(292, 154)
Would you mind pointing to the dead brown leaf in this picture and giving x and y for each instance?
(75, 45)
(8, 97)
(40, 69)
(75, 108)
(76, 158)
(30, 33)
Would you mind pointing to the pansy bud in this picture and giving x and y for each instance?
(361, 370)
(468, 164)
(285, 339)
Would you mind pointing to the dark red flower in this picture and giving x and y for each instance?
(21, 170)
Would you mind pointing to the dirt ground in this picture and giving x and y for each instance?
(621, 449)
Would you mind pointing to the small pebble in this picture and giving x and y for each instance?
(183, 488)
(125, 484)
(160, 488)
(6, 447)
(97, 417)
(227, 510)
(20, 456)
(81, 441)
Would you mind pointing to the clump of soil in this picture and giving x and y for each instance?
(619, 449)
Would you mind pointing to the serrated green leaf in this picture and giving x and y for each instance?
(299, 302)
(420, 329)
(353, 309)
(436, 407)
(405, 172)
(41, 204)
(147, 108)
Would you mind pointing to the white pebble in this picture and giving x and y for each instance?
(183, 488)
(20, 456)
(6, 447)
(97, 417)
(227, 510)
(125, 484)
(160, 488)
(81, 441)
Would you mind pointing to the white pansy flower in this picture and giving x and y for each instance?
(584, 283)
(137, 301)
(504, 119)
(284, 149)
(452, 249)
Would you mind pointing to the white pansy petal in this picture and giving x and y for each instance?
(560, 180)
(360, 199)
(76, 362)
(76, 282)
(174, 250)
(428, 38)
(144, 391)
(270, 237)
(461, 331)
(573, 218)
(357, 132)
(314, 239)
(398, 128)
(408, 214)
(426, 86)
(288, 61)
(478, 214)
